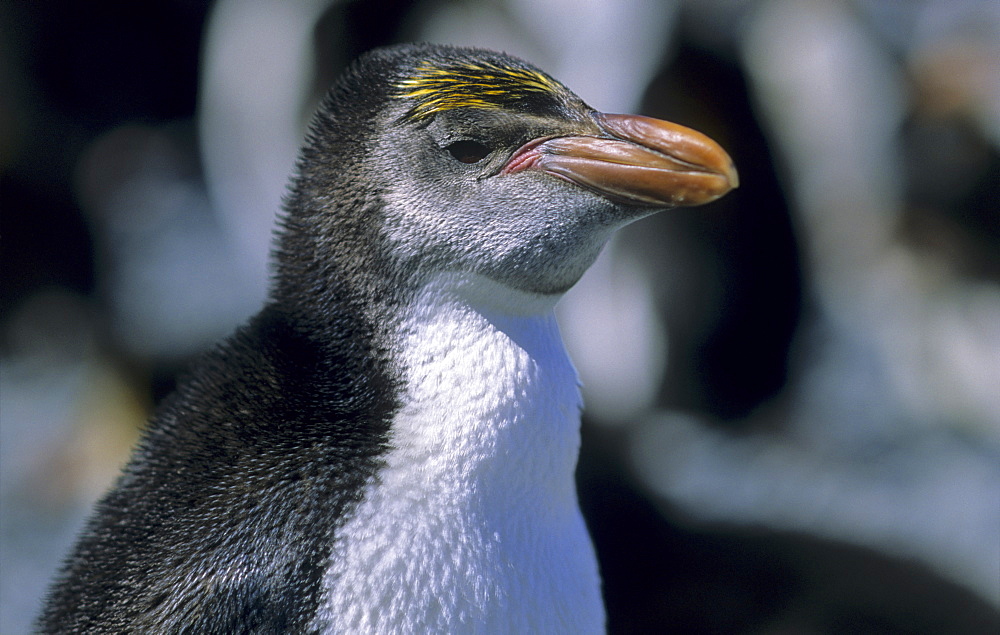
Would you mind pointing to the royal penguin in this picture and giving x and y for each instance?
(389, 445)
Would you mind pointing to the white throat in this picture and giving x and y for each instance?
(473, 524)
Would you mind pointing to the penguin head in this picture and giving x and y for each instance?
(428, 159)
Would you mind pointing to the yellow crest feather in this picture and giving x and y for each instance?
(483, 85)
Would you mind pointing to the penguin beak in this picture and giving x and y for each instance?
(638, 160)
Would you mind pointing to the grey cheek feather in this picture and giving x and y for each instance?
(544, 249)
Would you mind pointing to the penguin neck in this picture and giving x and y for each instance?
(491, 397)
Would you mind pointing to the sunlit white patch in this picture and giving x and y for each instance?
(473, 524)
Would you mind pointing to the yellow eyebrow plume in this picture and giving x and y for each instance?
(482, 85)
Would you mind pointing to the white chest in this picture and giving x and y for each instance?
(473, 525)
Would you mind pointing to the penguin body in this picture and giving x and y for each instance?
(390, 444)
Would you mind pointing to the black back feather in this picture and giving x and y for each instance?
(225, 517)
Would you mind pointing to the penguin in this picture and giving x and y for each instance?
(389, 445)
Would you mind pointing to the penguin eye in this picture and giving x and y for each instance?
(468, 151)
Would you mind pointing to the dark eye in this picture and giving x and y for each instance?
(468, 151)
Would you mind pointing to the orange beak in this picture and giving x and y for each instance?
(641, 161)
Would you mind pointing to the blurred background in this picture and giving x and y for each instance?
(793, 394)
